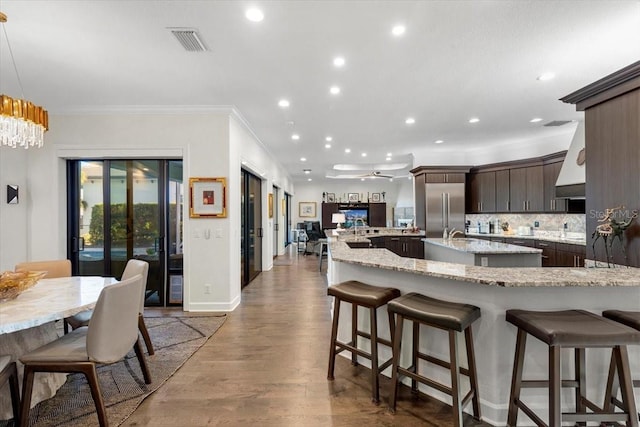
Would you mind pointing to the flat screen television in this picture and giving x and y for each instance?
(352, 214)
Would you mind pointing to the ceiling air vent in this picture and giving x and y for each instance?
(189, 39)
(557, 123)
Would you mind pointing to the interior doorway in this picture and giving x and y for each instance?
(251, 231)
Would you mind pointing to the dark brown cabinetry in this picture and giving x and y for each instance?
(525, 189)
(448, 177)
(568, 255)
(548, 252)
(482, 192)
(377, 213)
(404, 246)
(502, 190)
(551, 204)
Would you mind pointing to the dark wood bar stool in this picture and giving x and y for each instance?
(9, 374)
(367, 296)
(452, 317)
(632, 320)
(577, 329)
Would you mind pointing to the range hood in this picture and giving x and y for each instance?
(571, 180)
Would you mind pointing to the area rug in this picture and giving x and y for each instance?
(175, 340)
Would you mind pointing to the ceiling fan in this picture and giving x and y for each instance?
(376, 174)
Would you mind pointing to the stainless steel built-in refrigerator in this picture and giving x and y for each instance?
(444, 207)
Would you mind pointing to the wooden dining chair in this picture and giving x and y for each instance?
(133, 267)
(112, 332)
(54, 268)
(9, 374)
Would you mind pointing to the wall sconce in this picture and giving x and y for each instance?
(338, 218)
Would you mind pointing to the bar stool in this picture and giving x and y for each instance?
(451, 317)
(632, 320)
(371, 297)
(577, 329)
(9, 373)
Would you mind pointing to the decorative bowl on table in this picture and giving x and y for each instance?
(13, 283)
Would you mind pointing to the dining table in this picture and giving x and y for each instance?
(29, 321)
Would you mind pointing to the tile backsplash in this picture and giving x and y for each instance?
(576, 223)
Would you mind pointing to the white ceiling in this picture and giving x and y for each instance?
(457, 60)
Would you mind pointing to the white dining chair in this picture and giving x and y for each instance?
(111, 333)
(133, 267)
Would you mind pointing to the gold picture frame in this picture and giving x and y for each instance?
(270, 205)
(207, 197)
(307, 209)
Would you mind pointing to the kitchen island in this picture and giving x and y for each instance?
(481, 252)
(494, 290)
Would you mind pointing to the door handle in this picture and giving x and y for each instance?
(259, 230)
(444, 208)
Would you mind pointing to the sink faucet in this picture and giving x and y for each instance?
(454, 232)
(355, 225)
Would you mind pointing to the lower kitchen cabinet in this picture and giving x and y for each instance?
(548, 252)
(404, 246)
(569, 255)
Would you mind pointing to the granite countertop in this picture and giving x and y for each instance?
(493, 276)
(579, 239)
(478, 246)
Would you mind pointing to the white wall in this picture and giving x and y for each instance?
(398, 193)
(210, 143)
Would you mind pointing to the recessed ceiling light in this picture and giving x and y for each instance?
(388, 158)
(474, 120)
(410, 120)
(364, 154)
(303, 159)
(334, 90)
(361, 179)
(390, 179)
(338, 61)
(309, 179)
(328, 139)
(546, 76)
(244, 162)
(438, 141)
(254, 15)
(295, 137)
(535, 120)
(409, 178)
(347, 150)
(398, 30)
(307, 171)
(389, 154)
(283, 103)
(327, 145)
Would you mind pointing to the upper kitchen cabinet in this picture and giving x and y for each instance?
(447, 177)
(378, 214)
(482, 192)
(551, 172)
(525, 189)
(502, 190)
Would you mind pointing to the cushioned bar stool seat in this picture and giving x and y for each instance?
(632, 320)
(452, 317)
(367, 296)
(577, 329)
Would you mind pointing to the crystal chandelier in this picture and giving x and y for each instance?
(22, 123)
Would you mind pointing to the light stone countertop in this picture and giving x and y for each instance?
(484, 247)
(494, 276)
(49, 300)
(549, 237)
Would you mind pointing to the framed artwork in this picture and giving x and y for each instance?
(284, 206)
(375, 197)
(307, 209)
(207, 197)
(331, 197)
(353, 197)
(270, 205)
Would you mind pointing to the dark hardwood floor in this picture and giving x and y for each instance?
(267, 366)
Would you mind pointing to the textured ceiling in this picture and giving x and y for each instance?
(457, 60)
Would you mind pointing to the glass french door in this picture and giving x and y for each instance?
(251, 227)
(287, 218)
(127, 209)
(275, 209)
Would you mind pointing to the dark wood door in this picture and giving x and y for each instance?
(535, 193)
(328, 209)
(482, 187)
(393, 244)
(551, 204)
(415, 247)
(518, 189)
(548, 252)
(502, 190)
(377, 214)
